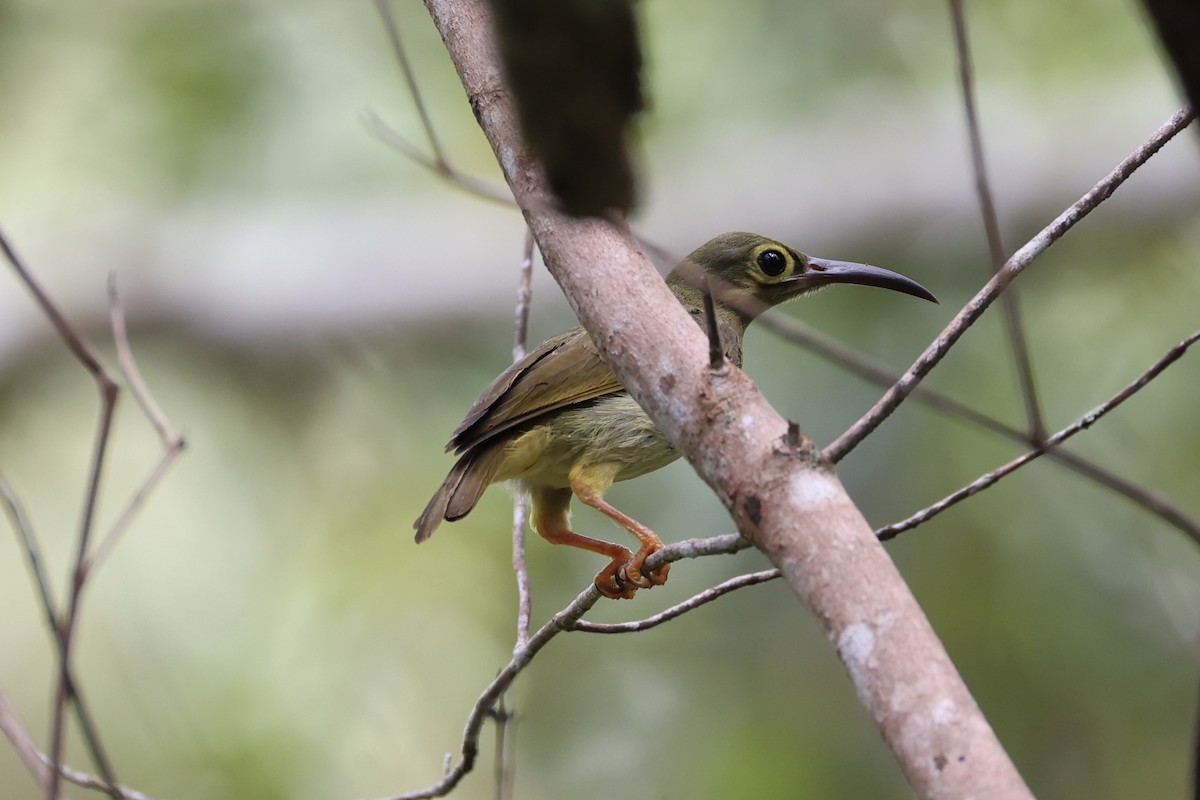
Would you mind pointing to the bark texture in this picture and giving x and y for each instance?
(780, 491)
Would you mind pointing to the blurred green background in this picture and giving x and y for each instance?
(315, 313)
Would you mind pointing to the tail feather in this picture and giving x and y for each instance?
(461, 490)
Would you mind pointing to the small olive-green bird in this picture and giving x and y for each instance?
(558, 422)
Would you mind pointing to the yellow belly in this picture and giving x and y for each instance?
(611, 437)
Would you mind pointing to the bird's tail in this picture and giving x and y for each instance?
(461, 490)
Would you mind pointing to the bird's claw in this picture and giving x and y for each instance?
(622, 580)
(630, 574)
(635, 571)
(611, 585)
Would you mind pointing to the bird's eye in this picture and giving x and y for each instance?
(772, 262)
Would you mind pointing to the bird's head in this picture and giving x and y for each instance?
(747, 274)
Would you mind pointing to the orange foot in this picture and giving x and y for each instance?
(611, 582)
(634, 572)
(623, 577)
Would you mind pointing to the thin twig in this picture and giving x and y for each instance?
(1148, 499)
(716, 351)
(524, 296)
(24, 529)
(68, 622)
(564, 620)
(1012, 268)
(129, 368)
(173, 444)
(520, 503)
(33, 552)
(876, 373)
(505, 735)
(707, 596)
(97, 783)
(388, 135)
(26, 750)
(521, 658)
(521, 569)
(1018, 342)
(410, 79)
(74, 342)
(1084, 422)
(505, 728)
(38, 763)
(109, 542)
(63, 627)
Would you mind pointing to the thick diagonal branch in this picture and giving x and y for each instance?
(786, 499)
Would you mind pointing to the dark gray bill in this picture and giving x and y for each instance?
(823, 271)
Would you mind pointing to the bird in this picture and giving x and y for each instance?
(559, 424)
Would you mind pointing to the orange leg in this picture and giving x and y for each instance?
(630, 572)
(550, 508)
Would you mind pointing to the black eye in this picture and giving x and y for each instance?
(772, 262)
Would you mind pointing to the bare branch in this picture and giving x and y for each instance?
(1148, 499)
(506, 725)
(74, 342)
(67, 622)
(410, 80)
(63, 627)
(564, 620)
(135, 505)
(694, 602)
(1084, 422)
(1018, 343)
(505, 719)
(481, 189)
(524, 295)
(33, 552)
(173, 444)
(1012, 268)
(787, 500)
(520, 504)
(521, 658)
(129, 368)
(38, 763)
(716, 351)
(24, 530)
(876, 373)
(26, 750)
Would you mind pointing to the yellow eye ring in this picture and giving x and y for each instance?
(773, 260)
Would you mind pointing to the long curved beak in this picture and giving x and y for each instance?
(822, 271)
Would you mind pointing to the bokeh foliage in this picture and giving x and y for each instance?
(268, 629)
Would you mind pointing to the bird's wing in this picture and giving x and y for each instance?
(563, 371)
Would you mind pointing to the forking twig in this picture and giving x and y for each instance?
(38, 763)
(1018, 343)
(1012, 268)
(61, 626)
(876, 373)
(410, 79)
(679, 609)
(570, 617)
(562, 621)
(1084, 422)
(173, 444)
(388, 135)
(438, 164)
